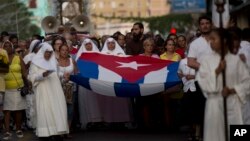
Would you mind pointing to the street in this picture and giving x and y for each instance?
(129, 135)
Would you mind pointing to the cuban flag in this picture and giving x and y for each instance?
(128, 76)
(73, 52)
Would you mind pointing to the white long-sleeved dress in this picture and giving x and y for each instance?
(237, 77)
(50, 103)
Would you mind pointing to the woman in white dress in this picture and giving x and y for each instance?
(33, 49)
(114, 109)
(67, 67)
(88, 104)
(51, 107)
(209, 77)
(30, 99)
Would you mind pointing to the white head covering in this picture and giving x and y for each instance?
(40, 61)
(83, 48)
(29, 57)
(117, 50)
(33, 44)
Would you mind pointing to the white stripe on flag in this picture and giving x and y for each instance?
(108, 75)
(149, 89)
(102, 87)
(159, 76)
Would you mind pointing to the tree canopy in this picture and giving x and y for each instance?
(16, 19)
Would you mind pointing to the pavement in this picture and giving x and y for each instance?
(109, 135)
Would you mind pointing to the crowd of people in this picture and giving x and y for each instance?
(44, 65)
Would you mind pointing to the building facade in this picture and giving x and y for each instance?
(123, 8)
(240, 12)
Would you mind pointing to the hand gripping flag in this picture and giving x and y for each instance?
(127, 76)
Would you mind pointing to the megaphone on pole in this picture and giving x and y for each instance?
(81, 23)
(50, 25)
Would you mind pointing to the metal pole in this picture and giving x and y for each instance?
(220, 10)
(60, 14)
(17, 28)
(224, 82)
(80, 2)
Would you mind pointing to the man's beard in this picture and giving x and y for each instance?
(205, 32)
(137, 37)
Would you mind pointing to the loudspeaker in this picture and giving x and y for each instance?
(50, 24)
(81, 23)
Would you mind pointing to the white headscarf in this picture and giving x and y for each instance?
(117, 50)
(40, 61)
(29, 57)
(33, 44)
(82, 49)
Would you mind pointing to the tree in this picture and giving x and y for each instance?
(15, 18)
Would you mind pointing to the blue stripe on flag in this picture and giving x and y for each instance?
(127, 90)
(83, 81)
(88, 69)
(172, 78)
(140, 81)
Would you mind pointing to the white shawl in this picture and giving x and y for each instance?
(40, 61)
(117, 51)
(82, 49)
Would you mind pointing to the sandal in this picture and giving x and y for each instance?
(19, 133)
(7, 136)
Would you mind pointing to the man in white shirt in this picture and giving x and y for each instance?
(200, 46)
(198, 49)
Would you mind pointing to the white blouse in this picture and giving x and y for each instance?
(185, 70)
(68, 69)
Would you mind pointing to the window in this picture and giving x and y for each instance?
(101, 4)
(131, 14)
(113, 4)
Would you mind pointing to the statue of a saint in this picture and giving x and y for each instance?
(70, 9)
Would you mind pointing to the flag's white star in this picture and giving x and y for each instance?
(132, 65)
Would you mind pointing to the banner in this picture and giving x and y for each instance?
(188, 6)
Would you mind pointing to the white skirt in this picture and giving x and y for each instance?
(13, 101)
